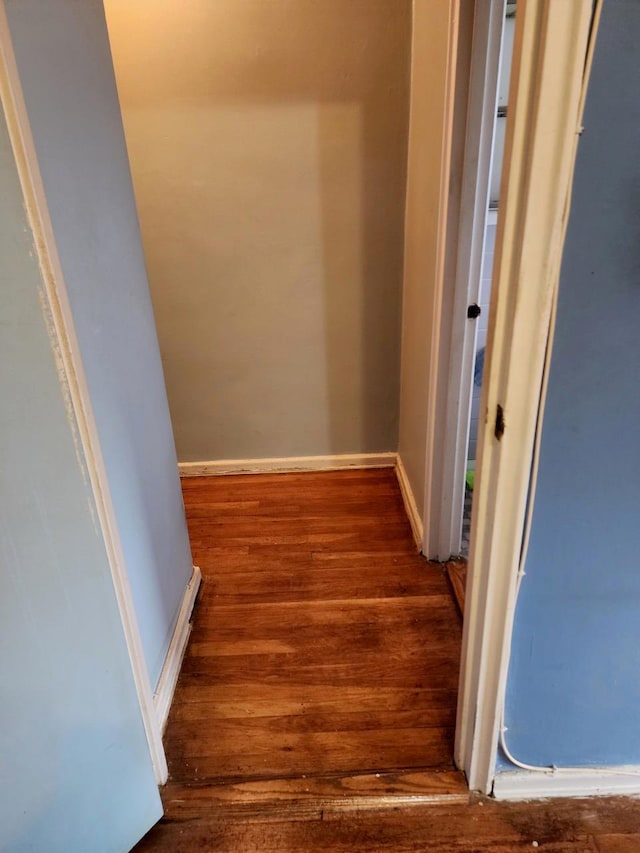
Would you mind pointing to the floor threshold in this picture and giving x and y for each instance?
(305, 796)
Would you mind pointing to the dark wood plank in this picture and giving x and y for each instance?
(479, 825)
(312, 720)
(237, 752)
(260, 700)
(306, 796)
(275, 581)
(618, 843)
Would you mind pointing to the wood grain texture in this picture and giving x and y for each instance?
(479, 825)
(321, 643)
(304, 797)
(316, 705)
(457, 574)
(618, 843)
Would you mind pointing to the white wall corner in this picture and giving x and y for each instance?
(163, 696)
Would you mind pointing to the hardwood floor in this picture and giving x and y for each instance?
(479, 826)
(322, 643)
(316, 704)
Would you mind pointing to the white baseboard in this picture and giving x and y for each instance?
(587, 782)
(410, 503)
(163, 696)
(289, 464)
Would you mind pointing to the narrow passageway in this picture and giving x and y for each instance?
(322, 643)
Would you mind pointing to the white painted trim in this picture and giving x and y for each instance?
(587, 782)
(545, 104)
(415, 520)
(288, 464)
(62, 327)
(163, 697)
(446, 521)
(432, 478)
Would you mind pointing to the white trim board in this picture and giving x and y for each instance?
(586, 782)
(459, 334)
(287, 464)
(415, 519)
(433, 474)
(163, 696)
(545, 112)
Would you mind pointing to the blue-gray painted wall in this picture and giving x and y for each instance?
(75, 769)
(573, 694)
(64, 61)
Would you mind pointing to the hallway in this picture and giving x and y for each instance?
(323, 645)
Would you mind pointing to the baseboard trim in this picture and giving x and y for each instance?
(163, 696)
(596, 782)
(287, 464)
(410, 503)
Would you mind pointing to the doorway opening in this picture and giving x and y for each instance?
(322, 202)
(476, 274)
(486, 269)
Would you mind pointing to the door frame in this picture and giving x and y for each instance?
(443, 530)
(72, 374)
(546, 102)
(542, 130)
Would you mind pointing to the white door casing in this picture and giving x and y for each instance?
(545, 110)
(443, 529)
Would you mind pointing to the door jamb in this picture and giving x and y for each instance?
(545, 111)
(57, 303)
(444, 528)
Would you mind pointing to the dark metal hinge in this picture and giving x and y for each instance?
(499, 428)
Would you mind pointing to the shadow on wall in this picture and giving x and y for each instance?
(268, 150)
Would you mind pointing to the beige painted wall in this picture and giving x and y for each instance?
(434, 43)
(268, 149)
